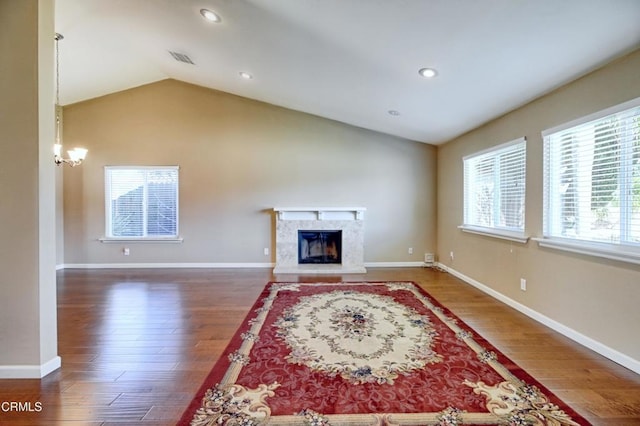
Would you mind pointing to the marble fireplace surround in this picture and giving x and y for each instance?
(289, 220)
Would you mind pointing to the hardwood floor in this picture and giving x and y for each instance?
(137, 344)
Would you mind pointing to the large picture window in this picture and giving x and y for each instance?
(592, 179)
(141, 202)
(494, 190)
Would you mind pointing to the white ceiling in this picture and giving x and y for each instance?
(349, 60)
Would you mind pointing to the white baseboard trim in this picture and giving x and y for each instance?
(214, 265)
(164, 265)
(393, 264)
(30, 371)
(615, 356)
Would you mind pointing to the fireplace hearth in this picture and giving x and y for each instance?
(319, 247)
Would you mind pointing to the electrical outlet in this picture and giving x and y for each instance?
(125, 251)
(451, 255)
(410, 250)
(523, 284)
(266, 251)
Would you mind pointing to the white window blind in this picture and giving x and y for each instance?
(592, 178)
(141, 202)
(494, 187)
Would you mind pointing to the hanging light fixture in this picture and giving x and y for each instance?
(77, 155)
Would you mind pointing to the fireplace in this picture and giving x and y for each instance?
(319, 240)
(319, 246)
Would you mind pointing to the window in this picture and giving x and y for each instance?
(494, 191)
(592, 180)
(141, 202)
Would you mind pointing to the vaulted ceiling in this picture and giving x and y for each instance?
(355, 61)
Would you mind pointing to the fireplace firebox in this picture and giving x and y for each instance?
(319, 247)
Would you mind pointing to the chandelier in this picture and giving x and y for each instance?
(76, 155)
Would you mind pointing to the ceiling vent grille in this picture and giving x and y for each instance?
(181, 57)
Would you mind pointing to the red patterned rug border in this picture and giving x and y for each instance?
(236, 340)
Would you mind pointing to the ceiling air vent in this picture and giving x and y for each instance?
(181, 57)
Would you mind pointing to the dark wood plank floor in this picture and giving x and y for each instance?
(137, 344)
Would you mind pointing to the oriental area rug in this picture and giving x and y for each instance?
(366, 353)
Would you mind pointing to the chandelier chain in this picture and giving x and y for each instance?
(58, 37)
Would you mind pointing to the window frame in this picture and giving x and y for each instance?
(502, 232)
(624, 251)
(145, 238)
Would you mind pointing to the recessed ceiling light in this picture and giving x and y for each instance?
(428, 72)
(245, 75)
(210, 15)
(393, 112)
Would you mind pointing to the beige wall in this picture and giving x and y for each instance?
(595, 297)
(238, 159)
(28, 333)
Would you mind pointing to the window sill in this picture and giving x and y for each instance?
(517, 237)
(603, 250)
(107, 240)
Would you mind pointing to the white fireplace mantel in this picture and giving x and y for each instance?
(320, 213)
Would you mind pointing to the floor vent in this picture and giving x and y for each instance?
(429, 259)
